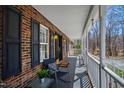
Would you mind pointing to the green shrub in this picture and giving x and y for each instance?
(117, 71)
(43, 73)
(78, 46)
(110, 67)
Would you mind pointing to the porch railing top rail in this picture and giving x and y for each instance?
(114, 76)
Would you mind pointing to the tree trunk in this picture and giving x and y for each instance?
(109, 45)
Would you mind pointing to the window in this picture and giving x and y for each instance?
(35, 43)
(12, 43)
(43, 43)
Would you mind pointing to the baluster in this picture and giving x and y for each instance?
(106, 79)
(115, 83)
(110, 82)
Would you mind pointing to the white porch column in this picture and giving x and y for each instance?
(102, 41)
(102, 35)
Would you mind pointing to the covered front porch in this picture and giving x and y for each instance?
(81, 47)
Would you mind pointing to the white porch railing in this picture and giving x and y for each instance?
(108, 77)
(77, 51)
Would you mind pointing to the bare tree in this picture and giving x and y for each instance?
(114, 24)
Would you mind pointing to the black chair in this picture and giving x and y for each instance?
(46, 62)
(53, 69)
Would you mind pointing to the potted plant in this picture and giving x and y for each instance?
(42, 74)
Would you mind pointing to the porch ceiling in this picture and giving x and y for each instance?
(70, 19)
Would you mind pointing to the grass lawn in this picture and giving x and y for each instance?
(116, 70)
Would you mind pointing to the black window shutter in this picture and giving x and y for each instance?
(60, 47)
(35, 43)
(66, 46)
(12, 43)
(51, 44)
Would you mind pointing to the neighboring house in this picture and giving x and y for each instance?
(26, 39)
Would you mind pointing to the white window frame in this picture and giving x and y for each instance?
(42, 27)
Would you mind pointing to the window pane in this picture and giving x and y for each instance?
(45, 48)
(46, 32)
(47, 39)
(41, 34)
(43, 54)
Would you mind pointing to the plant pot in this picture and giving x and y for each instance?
(42, 80)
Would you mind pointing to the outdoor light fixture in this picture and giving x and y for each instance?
(92, 21)
(92, 24)
(55, 36)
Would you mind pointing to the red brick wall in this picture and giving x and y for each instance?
(27, 73)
